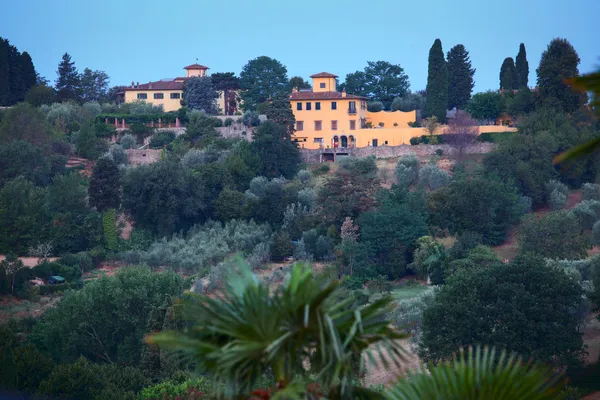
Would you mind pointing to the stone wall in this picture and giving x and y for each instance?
(314, 156)
(146, 156)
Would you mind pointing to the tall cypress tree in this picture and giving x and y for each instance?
(437, 82)
(559, 62)
(104, 190)
(17, 86)
(460, 77)
(68, 85)
(4, 74)
(508, 75)
(522, 66)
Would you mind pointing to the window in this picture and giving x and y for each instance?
(318, 140)
(334, 125)
(175, 95)
(142, 96)
(318, 105)
(375, 142)
(299, 125)
(353, 125)
(322, 85)
(308, 106)
(363, 105)
(352, 107)
(318, 125)
(299, 106)
(333, 105)
(159, 96)
(386, 142)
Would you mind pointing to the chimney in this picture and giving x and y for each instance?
(343, 92)
(294, 90)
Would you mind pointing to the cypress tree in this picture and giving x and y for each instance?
(4, 74)
(104, 189)
(460, 77)
(559, 62)
(68, 81)
(508, 75)
(17, 87)
(522, 66)
(437, 82)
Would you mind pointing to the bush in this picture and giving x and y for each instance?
(374, 106)
(494, 137)
(60, 287)
(81, 260)
(439, 152)
(324, 249)
(526, 204)
(304, 176)
(556, 188)
(587, 213)
(557, 200)
(118, 155)
(128, 141)
(322, 169)
(307, 197)
(591, 191)
(407, 170)
(415, 141)
(596, 232)
(169, 390)
(282, 246)
(251, 118)
(433, 177)
(162, 139)
(228, 122)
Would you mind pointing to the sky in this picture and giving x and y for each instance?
(146, 40)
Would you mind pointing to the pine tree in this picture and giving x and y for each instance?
(437, 82)
(509, 79)
(559, 62)
(104, 188)
(4, 73)
(68, 85)
(460, 77)
(522, 66)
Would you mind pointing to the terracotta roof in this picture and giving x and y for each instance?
(322, 96)
(158, 85)
(323, 75)
(195, 66)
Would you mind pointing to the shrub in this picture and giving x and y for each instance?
(324, 249)
(228, 122)
(587, 213)
(596, 232)
(128, 141)
(558, 186)
(415, 141)
(169, 390)
(526, 204)
(60, 287)
(591, 191)
(434, 177)
(304, 176)
(374, 106)
(282, 246)
(307, 197)
(405, 176)
(439, 152)
(322, 169)
(82, 260)
(251, 118)
(557, 200)
(118, 155)
(162, 139)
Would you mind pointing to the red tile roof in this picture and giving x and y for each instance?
(323, 75)
(322, 96)
(195, 66)
(159, 85)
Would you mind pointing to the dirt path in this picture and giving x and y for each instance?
(29, 261)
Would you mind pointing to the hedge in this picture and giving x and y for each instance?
(494, 137)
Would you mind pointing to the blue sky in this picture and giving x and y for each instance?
(143, 40)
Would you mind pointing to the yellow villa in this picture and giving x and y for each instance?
(326, 118)
(167, 92)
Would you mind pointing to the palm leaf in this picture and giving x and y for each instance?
(480, 374)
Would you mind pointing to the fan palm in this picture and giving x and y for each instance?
(301, 328)
(480, 374)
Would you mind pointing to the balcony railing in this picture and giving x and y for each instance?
(352, 111)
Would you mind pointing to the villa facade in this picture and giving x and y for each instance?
(167, 92)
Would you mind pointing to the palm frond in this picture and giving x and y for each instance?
(480, 373)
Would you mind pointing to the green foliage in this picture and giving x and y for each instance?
(68, 83)
(409, 102)
(559, 62)
(437, 82)
(596, 232)
(94, 85)
(554, 235)
(261, 331)
(250, 118)
(374, 106)
(23, 122)
(19, 158)
(591, 191)
(558, 194)
(278, 154)
(587, 213)
(39, 95)
(282, 246)
(17, 74)
(169, 390)
(105, 187)
(199, 94)
(460, 77)
(162, 139)
(484, 105)
(128, 141)
(434, 177)
(480, 373)
(509, 78)
(475, 204)
(261, 78)
(407, 170)
(88, 144)
(227, 82)
(109, 223)
(522, 66)
(280, 112)
(106, 320)
(525, 306)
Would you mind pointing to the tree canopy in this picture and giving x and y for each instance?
(262, 78)
(522, 66)
(68, 83)
(509, 78)
(437, 82)
(17, 74)
(460, 77)
(200, 94)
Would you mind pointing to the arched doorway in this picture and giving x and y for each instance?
(344, 141)
(336, 141)
(351, 137)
